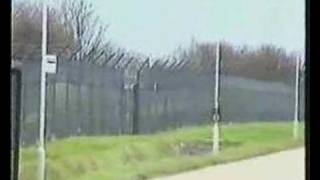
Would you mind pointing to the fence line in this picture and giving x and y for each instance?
(127, 96)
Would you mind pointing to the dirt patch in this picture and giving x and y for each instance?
(194, 149)
(202, 149)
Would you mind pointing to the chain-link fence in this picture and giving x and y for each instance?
(85, 99)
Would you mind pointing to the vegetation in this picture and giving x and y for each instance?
(76, 32)
(142, 156)
(266, 62)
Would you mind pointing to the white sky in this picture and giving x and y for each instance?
(157, 27)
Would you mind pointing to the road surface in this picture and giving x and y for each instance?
(285, 165)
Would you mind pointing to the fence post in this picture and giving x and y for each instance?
(128, 108)
(122, 102)
(135, 116)
(53, 111)
(67, 103)
(79, 102)
(297, 101)
(136, 97)
(17, 124)
(101, 100)
(216, 110)
(91, 119)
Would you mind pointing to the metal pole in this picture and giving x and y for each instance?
(41, 148)
(216, 113)
(135, 116)
(297, 94)
(17, 124)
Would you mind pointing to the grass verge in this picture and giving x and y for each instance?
(147, 156)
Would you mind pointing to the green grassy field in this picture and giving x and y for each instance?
(142, 157)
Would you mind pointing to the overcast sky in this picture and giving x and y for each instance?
(157, 27)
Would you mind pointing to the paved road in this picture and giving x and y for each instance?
(285, 165)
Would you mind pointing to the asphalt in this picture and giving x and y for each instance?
(285, 165)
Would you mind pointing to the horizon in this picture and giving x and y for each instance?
(159, 28)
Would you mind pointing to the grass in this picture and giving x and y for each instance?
(147, 156)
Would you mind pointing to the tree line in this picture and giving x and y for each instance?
(76, 33)
(266, 62)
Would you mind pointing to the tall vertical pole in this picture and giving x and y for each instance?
(297, 95)
(216, 113)
(41, 148)
(17, 123)
(136, 103)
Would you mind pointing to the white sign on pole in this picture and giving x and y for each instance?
(50, 64)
